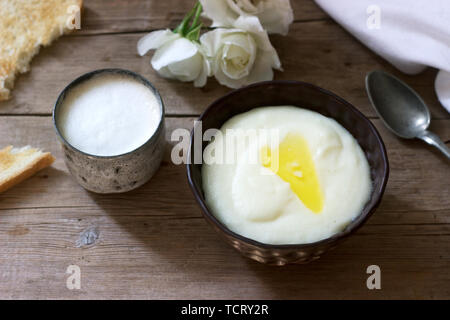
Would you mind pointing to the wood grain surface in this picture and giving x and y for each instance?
(153, 242)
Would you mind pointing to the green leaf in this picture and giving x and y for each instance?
(191, 25)
(181, 29)
(194, 34)
(198, 12)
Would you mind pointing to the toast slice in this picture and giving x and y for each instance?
(18, 164)
(25, 26)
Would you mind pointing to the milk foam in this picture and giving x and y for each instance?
(109, 115)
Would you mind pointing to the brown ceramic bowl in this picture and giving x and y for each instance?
(308, 96)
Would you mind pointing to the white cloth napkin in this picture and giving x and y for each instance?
(411, 34)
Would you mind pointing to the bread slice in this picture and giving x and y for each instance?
(18, 164)
(25, 26)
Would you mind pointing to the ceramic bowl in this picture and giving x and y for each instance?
(308, 96)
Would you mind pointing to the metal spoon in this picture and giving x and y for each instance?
(401, 109)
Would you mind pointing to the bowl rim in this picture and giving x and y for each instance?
(358, 222)
(98, 73)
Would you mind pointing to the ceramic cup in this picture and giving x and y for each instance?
(119, 173)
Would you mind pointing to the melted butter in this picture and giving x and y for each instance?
(295, 166)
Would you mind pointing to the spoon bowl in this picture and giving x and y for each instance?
(401, 109)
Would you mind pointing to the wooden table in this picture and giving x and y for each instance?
(153, 242)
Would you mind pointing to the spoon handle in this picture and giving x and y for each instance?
(435, 141)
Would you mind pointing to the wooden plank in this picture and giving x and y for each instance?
(164, 257)
(114, 16)
(413, 188)
(154, 243)
(318, 52)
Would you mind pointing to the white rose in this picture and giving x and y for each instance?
(242, 55)
(176, 57)
(274, 15)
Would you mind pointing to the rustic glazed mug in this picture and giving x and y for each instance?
(118, 173)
